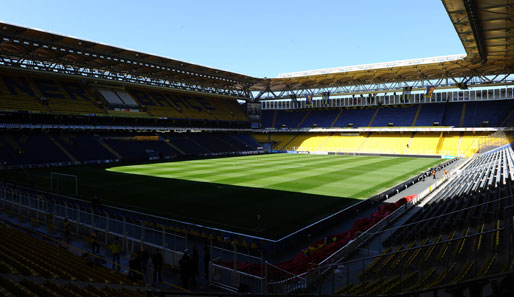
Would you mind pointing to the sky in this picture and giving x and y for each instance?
(260, 38)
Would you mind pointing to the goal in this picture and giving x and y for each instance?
(62, 183)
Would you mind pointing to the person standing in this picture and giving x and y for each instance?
(116, 251)
(143, 260)
(67, 230)
(185, 270)
(95, 248)
(133, 265)
(206, 260)
(157, 266)
(434, 173)
(194, 265)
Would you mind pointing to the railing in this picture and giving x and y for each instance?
(407, 152)
(234, 280)
(283, 282)
(441, 96)
(279, 281)
(273, 280)
(326, 265)
(84, 221)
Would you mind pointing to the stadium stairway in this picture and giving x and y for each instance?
(463, 115)
(364, 140)
(274, 119)
(416, 115)
(203, 147)
(303, 119)
(12, 143)
(440, 143)
(327, 139)
(373, 117)
(174, 146)
(336, 118)
(507, 118)
(286, 145)
(108, 147)
(63, 149)
(408, 143)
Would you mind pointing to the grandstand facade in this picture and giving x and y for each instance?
(68, 103)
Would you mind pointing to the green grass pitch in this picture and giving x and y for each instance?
(339, 176)
(288, 191)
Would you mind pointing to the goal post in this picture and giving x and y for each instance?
(63, 183)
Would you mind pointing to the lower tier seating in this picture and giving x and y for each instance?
(40, 148)
(413, 143)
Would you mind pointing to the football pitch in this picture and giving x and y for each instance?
(287, 191)
(340, 176)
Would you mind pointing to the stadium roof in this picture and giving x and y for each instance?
(32, 46)
(484, 27)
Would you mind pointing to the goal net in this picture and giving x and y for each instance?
(64, 184)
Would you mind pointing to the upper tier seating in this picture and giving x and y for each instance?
(43, 94)
(320, 118)
(430, 113)
(289, 119)
(358, 117)
(399, 116)
(495, 112)
(46, 94)
(469, 114)
(179, 106)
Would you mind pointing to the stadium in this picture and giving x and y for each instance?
(119, 168)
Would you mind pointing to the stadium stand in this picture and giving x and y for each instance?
(320, 118)
(179, 106)
(462, 232)
(267, 118)
(44, 94)
(395, 143)
(430, 113)
(46, 269)
(84, 147)
(289, 119)
(20, 148)
(470, 114)
(399, 116)
(409, 143)
(29, 148)
(457, 235)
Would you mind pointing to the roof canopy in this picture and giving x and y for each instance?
(484, 27)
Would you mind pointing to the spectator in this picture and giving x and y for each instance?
(194, 265)
(206, 260)
(185, 269)
(116, 251)
(157, 266)
(67, 230)
(143, 255)
(95, 248)
(133, 265)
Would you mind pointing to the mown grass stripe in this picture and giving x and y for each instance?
(340, 176)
